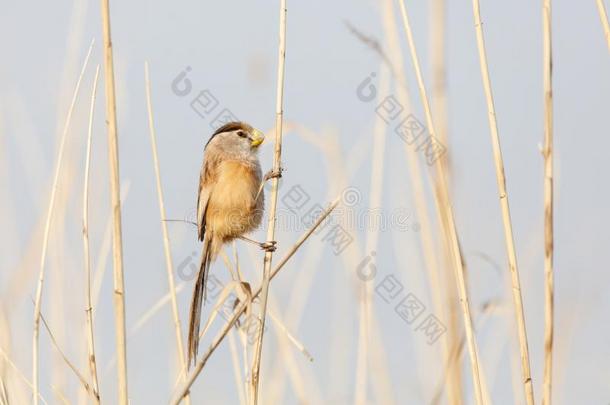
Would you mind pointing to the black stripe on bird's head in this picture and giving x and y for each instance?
(241, 129)
(230, 127)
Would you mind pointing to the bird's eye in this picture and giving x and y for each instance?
(241, 134)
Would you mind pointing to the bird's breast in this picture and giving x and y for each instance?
(233, 210)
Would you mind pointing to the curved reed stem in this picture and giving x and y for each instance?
(47, 229)
(449, 221)
(166, 247)
(503, 195)
(89, 310)
(603, 16)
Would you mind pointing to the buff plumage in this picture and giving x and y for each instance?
(229, 203)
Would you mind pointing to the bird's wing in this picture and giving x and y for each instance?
(206, 182)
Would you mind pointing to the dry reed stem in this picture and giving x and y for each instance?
(104, 250)
(3, 393)
(421, 208)
(303, 392)
(380, 379)
(289, 366)
(243, 387)
(71, 365)
(239, 384)
(47, 229)
(89, 310)
(279, 114)
(60, 394)
(438, 99)
(279, 324)
(236, 276)
(20, 374)
(371, 241)
(548, 203)
(447, 212)
(383, 387)
(57, 264)
(508, 230)
(153, 310)
(603, 16)
(303, 283)
(341, 170)
(305, 388)
(117, 243)
(166, 246)
(242, 306)
(142, 321)
(244, 392)
(438, 24)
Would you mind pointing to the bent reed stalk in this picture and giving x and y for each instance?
(166, 246)
(446, 211)
(47, 229)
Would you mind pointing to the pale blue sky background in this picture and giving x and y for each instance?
(231, 49)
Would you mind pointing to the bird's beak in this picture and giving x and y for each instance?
(257, 138)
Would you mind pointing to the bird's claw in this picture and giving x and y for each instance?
(273, 174)
(269, 246)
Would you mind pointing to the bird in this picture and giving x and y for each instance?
(230, 204)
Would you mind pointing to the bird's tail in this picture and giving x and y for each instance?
(199, 295)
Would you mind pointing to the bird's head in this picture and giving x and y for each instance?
(237, 138)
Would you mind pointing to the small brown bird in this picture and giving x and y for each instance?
(229, 204)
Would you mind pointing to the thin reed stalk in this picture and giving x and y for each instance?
(548, 203)
(60, 395)
(3, 393)
(436, 274)
(372, 239)
(244, 304)
(277, 167)
(89, 311)
(115, 186)
(603, 16)
(508, 229)
(152, 311)
(21, 375)
(301, 288)
(104, 250)
(47, 229)
(447, 212)
(239, 384)
(438, 101)
(341, 169)
(166, 247)
(71, 365)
